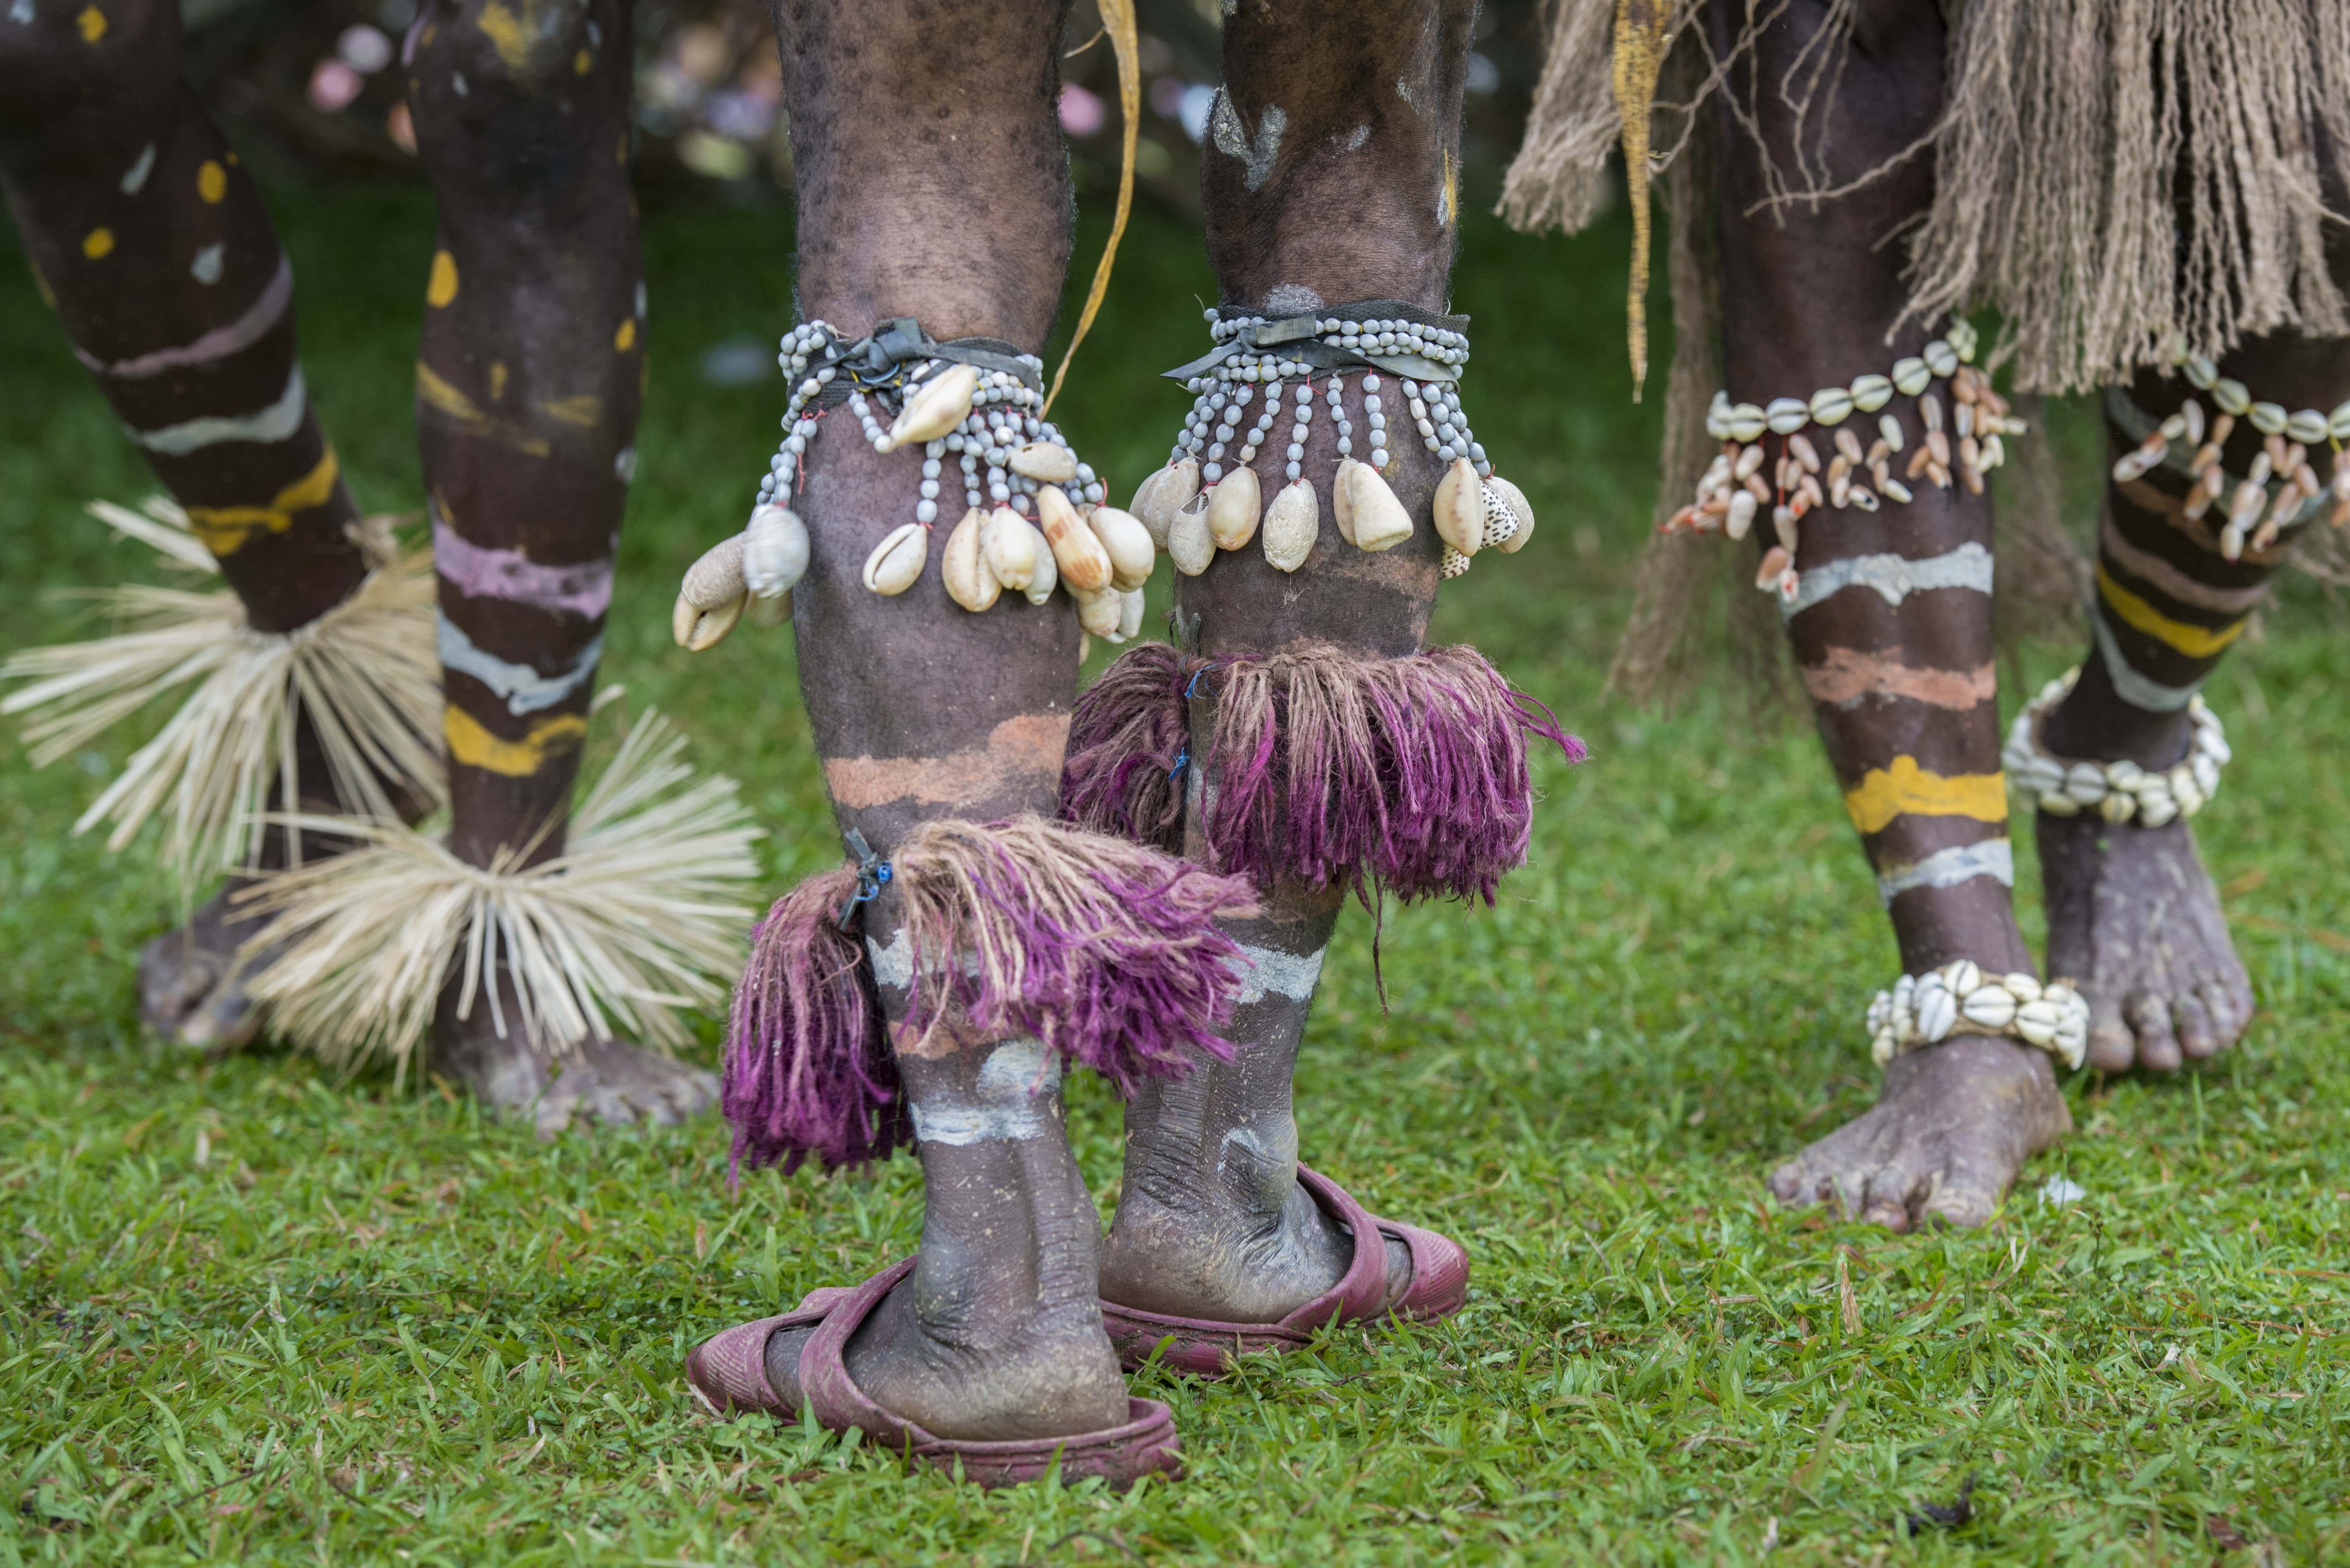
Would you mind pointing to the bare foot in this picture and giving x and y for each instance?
(2134, 920)
(1045, 1378)
(190, 986)
(998, 1332)
(601, 1079)
(1230, 1245)
(1950, 1128)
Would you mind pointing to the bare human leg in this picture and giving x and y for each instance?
(1901, 678)
(925, 712)
(528, 379)
(149, 238)
(2131, 909)
(1330, 178)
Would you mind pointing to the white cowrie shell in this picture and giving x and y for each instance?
(774, 552)
(963, 566)
(1870, 393)
(2269, 418)
(896, 561)
(1164, 493)
(1189, 544)
(1988, 1008)
(2308, 427)
(1099, 612)
(1084, 564)
(1910, 376)
(1047, 461)
(711, 599)
(1963, 975)
(1380, 522)
(1938, 1014)
(2022, 986)
(1130, 615)
(937, 406)
(1290, 524)
(1460, 508)
(1787, 415)
(2037, 1022)
(1129, 544)
(1942, 358)
(1235, 504)
(1747, 422)
(1832, 405)
(1008, 546)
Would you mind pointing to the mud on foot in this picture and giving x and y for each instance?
(2134, 920)
(1951, 1127)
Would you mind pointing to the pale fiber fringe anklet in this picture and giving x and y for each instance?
(366, 674)
(636, 919)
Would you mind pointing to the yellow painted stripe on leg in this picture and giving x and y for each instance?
(225, 529)
(1905, 789)
(475, 747)
(2183, 636)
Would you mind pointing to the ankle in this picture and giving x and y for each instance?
(2094, 724)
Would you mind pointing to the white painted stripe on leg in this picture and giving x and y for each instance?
(1006, 1105)
(1269, 972)
(264, 426)
(524, 689)
(1994, 858)
(1893, 578)
(2133, 688)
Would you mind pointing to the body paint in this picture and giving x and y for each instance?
(1992, 858)
(479, 572)
(1894, 577)
(475, 747)
(1905, 789)
(264, 426)
(524, 689)
(1849, 676)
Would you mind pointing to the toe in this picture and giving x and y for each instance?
(2227, 1020)
(1791, 1184)
(1967, 1192)
(552, 1115)
(1894, 1191)
(2198, 1039)
(2112, 1048)
(2158, 1047)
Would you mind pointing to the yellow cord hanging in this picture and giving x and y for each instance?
(1641, 27)
(1117, 19)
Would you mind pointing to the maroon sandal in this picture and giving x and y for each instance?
(730, 1370)
(1440, 1284)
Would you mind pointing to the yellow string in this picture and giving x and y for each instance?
(1639, 55)
(1117, 18)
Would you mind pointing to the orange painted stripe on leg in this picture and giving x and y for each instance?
(1905, 789)
(1846, 675)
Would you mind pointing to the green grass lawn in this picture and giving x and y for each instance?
(249, 1313)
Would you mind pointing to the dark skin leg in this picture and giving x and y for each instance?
(959, 217)
(148, 236)
(1301, 211)
(2131, 910)
(1808, 295)
(528, 378)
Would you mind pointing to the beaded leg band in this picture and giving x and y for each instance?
(1323, 767)
(2119, 792)
(1105, 951)
(1736, 490)
(365, 675)
(1208, 499)
(1958, 999)
(1033, 517)
(2255, 514)
(630, 923)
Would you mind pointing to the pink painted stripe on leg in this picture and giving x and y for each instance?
(2170, 581)
(218, 343)
(1848, 675)
(479, 572)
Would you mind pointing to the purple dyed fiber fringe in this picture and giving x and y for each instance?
(808, 1069)
(1102, 950)
(1328, 768)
